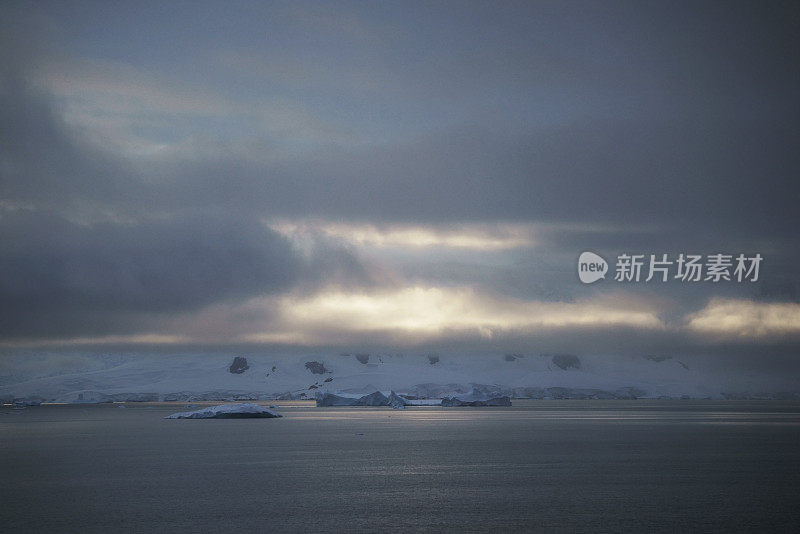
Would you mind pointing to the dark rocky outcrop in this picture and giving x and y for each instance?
(566, 361)
(363, 358)
(433, 359)
(316, 367)
(239, 365)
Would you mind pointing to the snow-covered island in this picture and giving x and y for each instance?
(353, 379)
(243, 410)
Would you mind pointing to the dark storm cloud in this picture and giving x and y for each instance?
(734, 175)
(729, 179)
(685, 116)
(91, 247)
(44, 162)
(75, 275)
(687, 113)
(652, 127)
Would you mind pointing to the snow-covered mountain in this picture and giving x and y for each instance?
(149, 377)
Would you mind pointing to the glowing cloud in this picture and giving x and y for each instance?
(465, 236)
(429, 312)
(744, 318)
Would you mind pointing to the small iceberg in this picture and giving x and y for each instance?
(373, 399)
(477, 398)
(332, 399)
(395, 400)
(228, 411)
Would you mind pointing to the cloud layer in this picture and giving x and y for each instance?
(298, 174)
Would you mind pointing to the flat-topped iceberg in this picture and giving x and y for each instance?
(342, 399)
(477, 398)
(228, 411)
(336, 399)
(398, 402)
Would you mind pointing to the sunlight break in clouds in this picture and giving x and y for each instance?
(427, 312)
(135, 339)
(409, 314)
(743, 318)
(476, 236)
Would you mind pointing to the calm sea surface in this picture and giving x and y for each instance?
(578, 466)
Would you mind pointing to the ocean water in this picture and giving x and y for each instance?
(577, 466)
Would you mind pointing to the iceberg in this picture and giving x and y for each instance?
(331, 399)
(397, 402)
(228, 411)
(423, 402)
(477, 398)
(27, 402)
(373, 399)
(342, 399)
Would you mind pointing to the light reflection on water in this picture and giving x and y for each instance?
(638, 466)
(657, 412)
(523, 411)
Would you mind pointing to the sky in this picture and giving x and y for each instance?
(396, 175)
